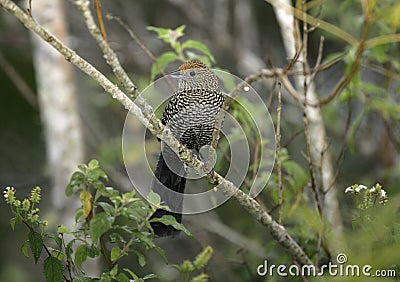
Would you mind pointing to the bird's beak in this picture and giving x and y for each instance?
(176, 74)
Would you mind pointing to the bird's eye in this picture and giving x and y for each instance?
(192, 73)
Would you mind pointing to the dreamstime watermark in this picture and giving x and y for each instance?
(341, 268)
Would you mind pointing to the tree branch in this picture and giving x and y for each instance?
(305, 89)
(19, 82)
(144, 113)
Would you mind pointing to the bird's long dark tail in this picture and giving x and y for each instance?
(169, 175)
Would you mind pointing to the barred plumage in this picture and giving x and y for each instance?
(190, 115)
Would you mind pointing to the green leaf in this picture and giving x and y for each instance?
(78, 215)
(179, 30)
(130, 195)
(24, 249)
(162, 61)
(185, 267)
(99, 225)
(36, 244)
(84, 279)
(115, 251)
(151, 276)
(104, 191)
(69, 190)
(93, 164)
(116, 238)
(193, 44)
(12, 223)
(170, 220)
(162, 253)
(77, 179)
(132, 274)
(299, 176)
(110, 210)
(92, 251)
(55, 237)
(168, 35)
(141, 258)
(121, 277)
(63, 230)
(145, 238)
(203, 257)
(84, 168)
(53, 269)
(80, 256)
(105, 277)
(58, 254)
(133, 214)
(154, 198)
(161, 32)
(114, 271)
(69, 250)
(202, 277)
(94, 174)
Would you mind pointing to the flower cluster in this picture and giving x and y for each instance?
(375, 190)
(24, 209)
(9, 195)
(35, 195)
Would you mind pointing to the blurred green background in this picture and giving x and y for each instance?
(361, 123)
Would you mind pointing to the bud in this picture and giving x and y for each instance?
(203, 258)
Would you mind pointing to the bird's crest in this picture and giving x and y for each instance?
(192, 65)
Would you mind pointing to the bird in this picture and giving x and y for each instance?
(190, 114)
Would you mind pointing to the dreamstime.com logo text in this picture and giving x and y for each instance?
(340, 269)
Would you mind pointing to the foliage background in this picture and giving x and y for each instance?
(362, 123)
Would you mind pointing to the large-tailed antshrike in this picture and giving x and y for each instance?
(190, 115)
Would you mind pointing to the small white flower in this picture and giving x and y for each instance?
(349, 189)
(383, 193)
(359, 187)
(372, 190)
(5, 192)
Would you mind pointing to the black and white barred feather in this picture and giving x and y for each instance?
(190, 115)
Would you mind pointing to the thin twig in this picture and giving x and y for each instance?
(289, 87)
(29, 9)
(305, 119)
(299, 14)
(256, 160)
(311, 165)
(68, 259)
(319, 59)
(342, 152)
(270, 95)
(19, 82)
(293, 61)
(97, 8)
(234, 167)
(139, 42)
(297, 133)
(355, 65)
(104, 252)
(278, 155)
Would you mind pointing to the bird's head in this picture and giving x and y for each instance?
(195, 75)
